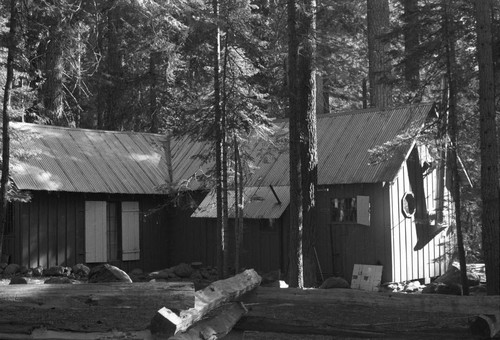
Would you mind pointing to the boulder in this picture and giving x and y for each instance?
(136, 272)
(334, 282)
(80, 270)
(11, 269)
(412, 286)
(57, 271)
(3, 265)
(108, 273)
(59, 280)
(183, 270)
(453, 277)
(37, 271)
(164, 274)
(18, 280)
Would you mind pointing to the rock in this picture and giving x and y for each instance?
(183, 270)
(196, 265)
(412, 286)
(57, 271)
(3, 265)
(453, 277)
(108, 273)
(18, 280)
(11, 269)
(136, 272)
(80, 270)
(196, 275)
(334, 282)
(163, 274)
(37, 271)
(59, 280)
(270, 277)
(451, 289)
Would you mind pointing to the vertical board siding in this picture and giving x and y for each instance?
(428, 262)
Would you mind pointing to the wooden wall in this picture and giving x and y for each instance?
(49, 231)
(341, 245)
(431, 260)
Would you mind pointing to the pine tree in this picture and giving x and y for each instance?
(489, 148)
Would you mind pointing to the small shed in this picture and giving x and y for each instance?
(94, 198)
(392, 210)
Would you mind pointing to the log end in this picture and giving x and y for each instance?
(164, 322)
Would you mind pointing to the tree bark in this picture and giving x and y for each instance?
(308, 143)
(379, 72)
(489, 147)
(295, 274)
(453, 132)
(411, 38)
(52, 90)
(4, 180)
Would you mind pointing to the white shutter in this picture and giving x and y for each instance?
(95, 232)
(363, 210)
(130, 231)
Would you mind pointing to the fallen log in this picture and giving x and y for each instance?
(167, 322)
(95, 307)
(216, 325)
(468, 305)
(354, 313)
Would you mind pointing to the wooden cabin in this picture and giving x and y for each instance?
(391, 211)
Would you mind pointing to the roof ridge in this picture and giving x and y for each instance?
(87, 130)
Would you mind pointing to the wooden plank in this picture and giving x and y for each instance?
(217, 293)
(61, 232)
(52, 232)
(97, 307)
(71, 230)
(95, 232)
(130, 231)
(43, 233)
(33, 234)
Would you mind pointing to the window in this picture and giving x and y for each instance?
(351, 210)
(111, 229)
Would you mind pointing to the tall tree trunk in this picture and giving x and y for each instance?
(379, 72)
(411, 38)
(489, 147)
(5, 121)
(295, 264)
(453, 132)
(308, 143)
(154, 60)
(52, 89)
(218, 142)
(225, 189)
(238, 205)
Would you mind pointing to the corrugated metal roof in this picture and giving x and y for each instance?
(343, 143)
(258, 203)
(80, 160)
(77, 160)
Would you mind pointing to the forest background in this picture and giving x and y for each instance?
(148, 65)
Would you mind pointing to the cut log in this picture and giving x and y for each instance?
(487, 326)
(354, 313)
(217, 324)
(96, 307)
(206, 300)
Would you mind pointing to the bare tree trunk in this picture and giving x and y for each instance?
(225, 189)
(5, 121)
(453, 132)
(489, 147)
(295, 264)
(154, 60)
(308, 144)
(218, 143)
(238, 205)
(379, 72)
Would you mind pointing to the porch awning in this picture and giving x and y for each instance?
(259, 202)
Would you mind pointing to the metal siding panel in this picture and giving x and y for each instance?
(130, 231)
